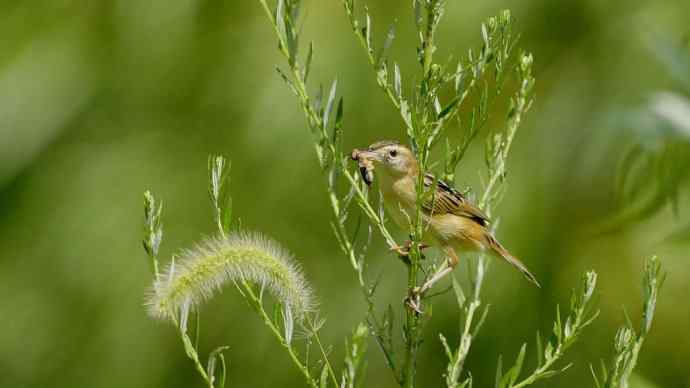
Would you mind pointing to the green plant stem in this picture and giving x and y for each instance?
(412, 317)
(486, 203)
(565, 334)
(488, 200)
(331, 372)
(428, 45)
(315, 122)
(455, 367)
(381, 78)
(628, 343)
(498, 174)
(424, 139)
(541, 370)
(465, 343)
(372, 321)
(255, 302)
(192, 353)
(411, 333)
(545, 368)
(357, 266)
(467, 337)
(633, 361)
(368, 210)
(154, 267)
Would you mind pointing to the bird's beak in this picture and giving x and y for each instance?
(366, 155)
(365, 160)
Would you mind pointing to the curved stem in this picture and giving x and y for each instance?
(258, 306)
(331, 372)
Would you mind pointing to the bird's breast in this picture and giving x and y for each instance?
(400, 199)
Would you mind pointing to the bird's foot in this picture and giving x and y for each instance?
(404, 250)
(414, 300)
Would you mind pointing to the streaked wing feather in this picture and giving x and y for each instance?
(448, 200)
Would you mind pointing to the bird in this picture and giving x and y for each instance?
(455, 225)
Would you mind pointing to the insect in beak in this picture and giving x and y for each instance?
(365, 162)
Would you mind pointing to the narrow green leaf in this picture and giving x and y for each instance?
(557, 325)
(323, 380)
(407, 116)
(565, 368)
(460, 78)
(444, 342)
(397, 83)
(329, 103)
(226, 217)
(215, 355)
(548, 351)
(484, 103)
(499, 372)
(540, 351)
(318, 99)
(224, 371)
(517, 368)
(548, 374)
(390, 36)
(367, 32)
(197, 328)
(452, 105)
(481, 321)
(291, 39)
(604, 371)
(287, 81)
(594, 376)
(388, 323)
(418, 18)
(280, 18)
(485, 36)
(277, 315)
(338, 127)
(459, 294)
(437, 106)
(307, 63)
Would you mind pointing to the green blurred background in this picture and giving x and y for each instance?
(101, 100)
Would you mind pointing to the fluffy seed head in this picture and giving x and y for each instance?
(198, 273)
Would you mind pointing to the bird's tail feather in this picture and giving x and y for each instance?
(514, 261)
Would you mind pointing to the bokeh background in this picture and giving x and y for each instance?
(101, 100)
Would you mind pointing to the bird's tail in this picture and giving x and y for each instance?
(498, 249)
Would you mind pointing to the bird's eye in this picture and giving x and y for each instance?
(393, 153)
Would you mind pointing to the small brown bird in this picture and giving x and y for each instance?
(454, 224)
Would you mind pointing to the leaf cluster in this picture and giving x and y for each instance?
(564, 335)
(628, 343)
(655, 167)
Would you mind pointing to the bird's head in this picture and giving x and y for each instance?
(389, 158)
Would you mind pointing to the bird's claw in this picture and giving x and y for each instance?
(414, 300)
(404, 250)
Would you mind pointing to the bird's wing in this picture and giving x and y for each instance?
(448, 200)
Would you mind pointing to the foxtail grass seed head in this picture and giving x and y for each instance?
(199, 272)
